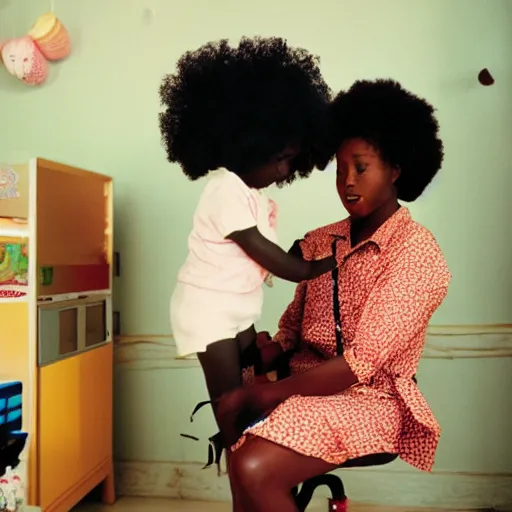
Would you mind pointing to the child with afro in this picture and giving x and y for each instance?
(247, 117)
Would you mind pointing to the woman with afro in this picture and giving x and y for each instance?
(355, 335)
(248, 117)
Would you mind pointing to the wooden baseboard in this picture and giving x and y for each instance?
(442, 490)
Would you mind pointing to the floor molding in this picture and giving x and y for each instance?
(443, 490)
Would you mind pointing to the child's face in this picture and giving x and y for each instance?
(278, 169)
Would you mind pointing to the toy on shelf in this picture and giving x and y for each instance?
(13, 268)
(11, 445)
(12, 442)
(10, 406)
(8, 183)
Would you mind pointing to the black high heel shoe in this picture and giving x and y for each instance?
(250, 358)
(215, 444)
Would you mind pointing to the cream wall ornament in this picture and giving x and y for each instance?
(26, 58)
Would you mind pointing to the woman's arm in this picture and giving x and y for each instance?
(274, 259)
(400, 306)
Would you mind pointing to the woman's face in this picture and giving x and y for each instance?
(364, 181)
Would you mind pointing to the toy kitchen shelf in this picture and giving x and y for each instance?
(56, 236)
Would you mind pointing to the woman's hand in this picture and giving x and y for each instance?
(270, 357)
(237, 409)
(228, 410)
(270, 352)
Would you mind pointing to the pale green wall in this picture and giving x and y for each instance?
(99, 110)
(467, 396)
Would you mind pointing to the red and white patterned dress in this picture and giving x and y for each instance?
(389, 287)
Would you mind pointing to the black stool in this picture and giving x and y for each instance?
(338, 503)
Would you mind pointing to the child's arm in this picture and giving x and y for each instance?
(278, 262)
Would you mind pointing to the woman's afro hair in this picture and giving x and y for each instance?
(399, 124)
(239, 107)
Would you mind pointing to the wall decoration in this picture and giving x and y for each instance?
(26, 58)
(51, 37)
(8, 183)
(485, 77)
(23, 60)
(13, 269)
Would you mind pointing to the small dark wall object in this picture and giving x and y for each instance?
(117, 264)
(116, 323)
(485, 78)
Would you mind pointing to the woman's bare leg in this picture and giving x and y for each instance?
(239, 504)
(265, 473)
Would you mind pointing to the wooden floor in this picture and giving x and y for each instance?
(159, 505)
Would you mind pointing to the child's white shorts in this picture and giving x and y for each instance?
(200, 317)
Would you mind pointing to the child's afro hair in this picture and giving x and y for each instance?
(239, 107)
(399, 124)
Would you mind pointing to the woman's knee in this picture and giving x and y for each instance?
(251, 470)
(260, 465)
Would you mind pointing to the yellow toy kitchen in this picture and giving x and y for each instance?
(56, 351)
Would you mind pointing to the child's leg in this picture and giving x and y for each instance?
(222, 372)
(221, 367)
(249, 351)
(246, 338)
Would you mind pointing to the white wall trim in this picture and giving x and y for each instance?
(142, 351)
(442, 490)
